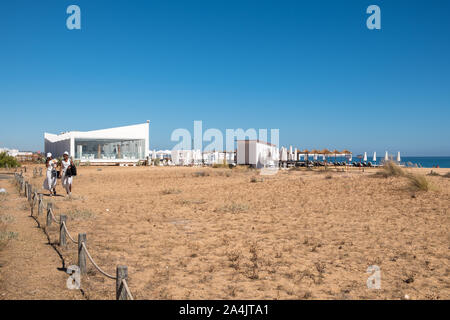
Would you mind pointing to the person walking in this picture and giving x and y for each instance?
(65, 173)
(51, 175)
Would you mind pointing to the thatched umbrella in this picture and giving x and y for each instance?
(315, 152)
(345, 151)
(306, 151)
(325, 152)
(336, 152)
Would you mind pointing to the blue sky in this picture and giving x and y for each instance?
(309, 68)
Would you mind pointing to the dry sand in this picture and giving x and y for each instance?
(295, 235)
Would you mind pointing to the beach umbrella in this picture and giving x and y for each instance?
(306, 152)
(315, 153)
(365, 157)
(325, 152)
(374, 156)
(336, 152)
(346, 152)
(283, 154)
(295, 154)
(386, 156)
(290, 152)
(398, 157)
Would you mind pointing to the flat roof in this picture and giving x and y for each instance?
(258, 141)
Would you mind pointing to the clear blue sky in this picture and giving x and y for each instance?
(310, 68)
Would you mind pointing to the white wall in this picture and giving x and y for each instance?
(57, 148)
(57, 144)
(258, 152)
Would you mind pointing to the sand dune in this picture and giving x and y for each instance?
(295, 235)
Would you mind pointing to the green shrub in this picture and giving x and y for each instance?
(7, 160)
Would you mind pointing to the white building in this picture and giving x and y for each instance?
(115, 145)
(10, 152)
(257, 153)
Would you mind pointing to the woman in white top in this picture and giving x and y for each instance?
(66, 180)
(51, 176)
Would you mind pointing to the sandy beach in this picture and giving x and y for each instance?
(204, 233)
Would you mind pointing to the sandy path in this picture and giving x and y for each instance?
(29, 266)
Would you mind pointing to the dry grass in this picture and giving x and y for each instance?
(233, 208)
(256, 179)
(77, 214)
(391, 169)
(200, 174)
(170, 191)
(6, 218)
(419, 182)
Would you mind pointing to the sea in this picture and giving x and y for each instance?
(424, 162)
(427, 162)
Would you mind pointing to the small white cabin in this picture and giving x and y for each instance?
(258, 154)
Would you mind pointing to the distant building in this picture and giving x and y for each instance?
(10, 152)
(106, 146)
(257, 153)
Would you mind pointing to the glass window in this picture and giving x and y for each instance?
(109, 149)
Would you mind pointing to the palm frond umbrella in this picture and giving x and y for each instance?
(336, 152)
(315, 152)
(346, 152)
(306, 152)
(325, 152)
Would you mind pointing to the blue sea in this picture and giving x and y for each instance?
(425, 162)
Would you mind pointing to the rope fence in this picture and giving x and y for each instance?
(31, 194)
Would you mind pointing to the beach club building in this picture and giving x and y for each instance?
(257, 153)
(127, 144)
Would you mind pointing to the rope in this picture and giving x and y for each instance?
(67, 232)
(53, 216)
(35, 198)
(125, 285)
(95, 265)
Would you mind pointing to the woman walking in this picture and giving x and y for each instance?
(66, 177)
(51, 176)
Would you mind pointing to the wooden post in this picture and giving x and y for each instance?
(62, 231)
(81, 253)
(40, 205)
(33, 201)
(25, 168)
(49, 215)
(28, 192)
(121, 274)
